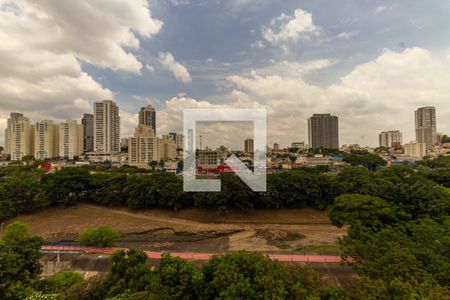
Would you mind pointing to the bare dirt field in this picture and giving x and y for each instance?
(191, 229)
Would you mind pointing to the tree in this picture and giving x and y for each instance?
(244, 275)
(368, 160)
(64, 280)
(156, 190)
(67, 186)
(177, 276)
(98, 237)
(93, 288)
(130, 272)
(416, 251)
(361, 210)
(19, 261)
(445, 139)
(108, 187)
(153, 164)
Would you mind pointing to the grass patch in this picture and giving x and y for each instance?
(321, 248)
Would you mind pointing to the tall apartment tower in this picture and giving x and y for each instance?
(323, 131)
(389, 139)
(142, 147)
(19, 136)
(88, 132)
(248, 146)
(147, 116)
(178, 138)
(106, 127)
(426, 125)
(70, 139)
(46, 139)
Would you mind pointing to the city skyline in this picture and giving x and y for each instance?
(293, 57)
(323, 132)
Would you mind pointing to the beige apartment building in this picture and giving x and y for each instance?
(142, 147)
(19, 136)
(70, 139)
(46, 139)
(416, 149)
(167, 149)
(389, 139)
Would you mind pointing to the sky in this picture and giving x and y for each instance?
(371, 63)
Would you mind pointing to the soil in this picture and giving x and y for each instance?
(195, 230)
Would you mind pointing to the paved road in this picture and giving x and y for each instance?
(193, 256)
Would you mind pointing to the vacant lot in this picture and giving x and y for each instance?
(191, 229)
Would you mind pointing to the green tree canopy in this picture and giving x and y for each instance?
(98, 237)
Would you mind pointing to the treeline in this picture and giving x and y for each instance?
(401, 236)
(239, 275)
(24, 189)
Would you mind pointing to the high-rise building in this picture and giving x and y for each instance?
(167, 149)
(248, 146)
(46, 141)
(106, 127)
(14, 116)
(276, 147)
(178, 138)
(147, 116)
(389, 139)
(88, 132)
(19, 136)
(416, 149)
(323, 130)
(426, 125)
(142, 147)
(70, 139)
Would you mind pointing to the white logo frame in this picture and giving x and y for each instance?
(256, 180)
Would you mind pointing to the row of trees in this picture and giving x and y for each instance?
(24, 189)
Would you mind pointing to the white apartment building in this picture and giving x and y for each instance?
(390, 138)
(106, 127)
(167, 148)
(416, 149)
(19, 136)
(142, 147)
(426, 125)
(46, 139)
(70, 139)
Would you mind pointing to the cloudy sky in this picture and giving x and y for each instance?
(369, 62)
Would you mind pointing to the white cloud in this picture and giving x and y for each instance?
(295, 69)
(248, 5)
(43, 41)
(150, 68)
(380, 9)
(290, 28)
(378, 95)
(179, 71)
(375, 96)
(346, 35)
(258, 44)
